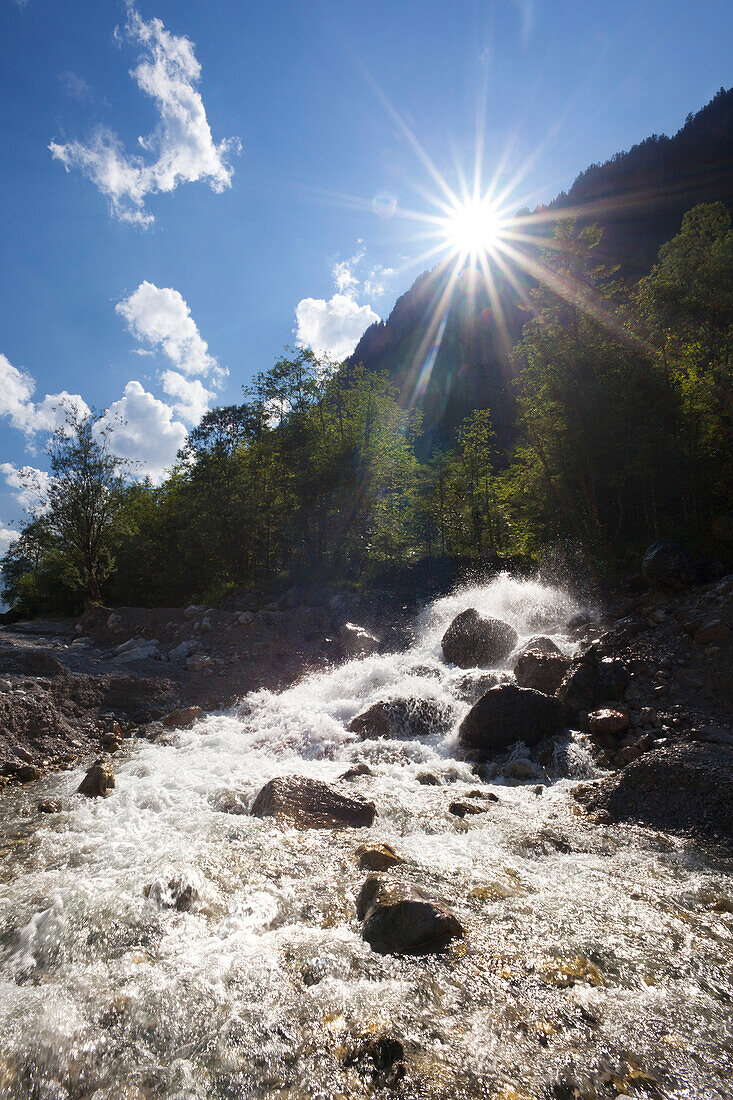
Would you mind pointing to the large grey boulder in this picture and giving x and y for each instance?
(472, 641)
(401, 919)
(687, 788)
(507, 714)
(311, 804)
(402, 719)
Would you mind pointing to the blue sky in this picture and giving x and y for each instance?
(157, 279)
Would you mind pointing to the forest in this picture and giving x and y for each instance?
(620, 433)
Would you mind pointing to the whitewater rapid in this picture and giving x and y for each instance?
(599, 952)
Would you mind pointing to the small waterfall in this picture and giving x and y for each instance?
(590, 951)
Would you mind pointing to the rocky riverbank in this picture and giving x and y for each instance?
(69, 690)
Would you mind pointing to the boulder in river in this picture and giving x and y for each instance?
(402, 719)
(472, 641)
(540, 670)
(540, 644)
(507, 714)
(377, 857)
(592, 680)
(311, 804)
(183, 717)
(686, 788)
(98, 781)
(401, 919)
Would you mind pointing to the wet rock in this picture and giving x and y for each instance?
(712, 633)
(592, 680)
(466, 809)
(49, 806)
(180, 892)
(382, 1057)
(685, 788)
(429, 779)
(98, 781)
(402, 719)
(377, 857)
(472, 641)
(311, 804)
(520, 768)
(356, 772)
(488, 796)
(608, 721)
(27, 773)
(230, 802)
(507, 714)
(540, 644)
(542, 671)
(182, 718)
(401, 919)
(355, 641)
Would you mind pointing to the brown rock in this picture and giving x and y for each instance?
(50, 806)
(429, 779)
(377, 857)
(401, 719)
(182, 717)
(608, 720)
(402, 919)
(356, 772)
(542, 671)
(311, 804)
(98, 781)
(28, 773)
(463, 809)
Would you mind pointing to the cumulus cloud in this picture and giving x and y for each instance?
(160, 318)
(7, 537)
(144, 431)
(181, 146)
(191, 398)
(28, 484)
(332, 327)
(16, 392)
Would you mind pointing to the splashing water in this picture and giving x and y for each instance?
(603, 953)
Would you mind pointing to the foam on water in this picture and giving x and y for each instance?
(607, 947)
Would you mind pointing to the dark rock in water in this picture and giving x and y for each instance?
(474, 642)
(183, 717)
(355, 641)
(591, 681)
(668, 564)
(541, 670)
(27, 773)
(540, 644)
(356, 772)
(383, 1056)
(402, 919)
(506, 714)
(50, 806)
(377, 857)
(687, 788)
(311, 804)
(177, 893)
(429, 779)
(230, 802)
(402, 719)
(488, 796)
(472, 685)
(463, 809)
(98, 781)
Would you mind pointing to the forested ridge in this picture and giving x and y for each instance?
(621, 433)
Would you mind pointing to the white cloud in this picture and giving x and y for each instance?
(332, 328)
(181, 144)
(16, 391)
(144, 431)
(29, 485)
(192, 399)
(160, 317)
(7, 537)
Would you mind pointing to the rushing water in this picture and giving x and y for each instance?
(603, 953)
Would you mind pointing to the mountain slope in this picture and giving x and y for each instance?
(638, 197)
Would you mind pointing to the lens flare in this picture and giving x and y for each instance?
(473, 228)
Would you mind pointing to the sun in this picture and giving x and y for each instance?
(472, 228)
